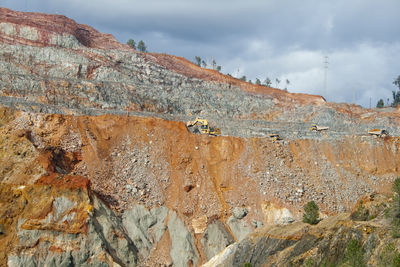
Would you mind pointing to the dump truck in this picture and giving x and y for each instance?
(315, 127)
(201, 126)
(378, 132)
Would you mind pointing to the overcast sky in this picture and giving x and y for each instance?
(272, 38)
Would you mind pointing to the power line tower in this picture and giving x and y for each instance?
(325, 76)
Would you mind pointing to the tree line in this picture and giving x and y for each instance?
(395, 95)
(267, 82)
(141, 46)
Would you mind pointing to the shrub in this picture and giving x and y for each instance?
(361, 214)
(354, 254)
(396, 260)
(311, 213)
(396, 186)
(310, 262)
(387, 256)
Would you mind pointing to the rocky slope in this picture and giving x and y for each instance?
(98, 168)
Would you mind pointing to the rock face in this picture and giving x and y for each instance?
(215, 239)
(324, 244)
(43, 30)
(97, 167)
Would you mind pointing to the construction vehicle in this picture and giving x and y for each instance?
(201, 126)
(317, 128)
(378, 132)
(275, 137)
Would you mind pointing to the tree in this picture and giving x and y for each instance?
(287, 83)
(243, 78)
(204, 64)
(380, 103)
(397, 82)
(219, 68)
(258, 81)
(396, 98)
(268, 82)
(277, 82)
(396, 95)
(141, 46)
(213, 63)
(311, 213)
(197, 60)
(131, 43)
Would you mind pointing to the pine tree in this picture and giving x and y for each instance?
(141, 46)
(268, 82)
(311, 213)
(131, 43)
(380, 104)
(197, 60)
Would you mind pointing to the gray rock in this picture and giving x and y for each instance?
(183, 250)
(239, 212)
(215, 239)
(2, 229)
(145, 227)
(239, 228)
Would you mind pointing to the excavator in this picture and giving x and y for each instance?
(201, 126)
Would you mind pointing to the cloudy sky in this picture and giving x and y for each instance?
(272, 38)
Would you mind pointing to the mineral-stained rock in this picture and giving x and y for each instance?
(276, 215)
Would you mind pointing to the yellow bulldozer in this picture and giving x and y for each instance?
(201, 126)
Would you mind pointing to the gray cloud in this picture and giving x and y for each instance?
(279, 39)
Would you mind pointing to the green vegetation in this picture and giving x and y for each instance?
(389, 256)
(287, 84)
(380, 103)
(361, 214)
(396, 95)
(131, 43)
(395, 210)
(310, 262)
(311, 213)
(197, 60)
(277, 81)
(141, 46)
(268, 82)
(247, 264)
(354, 254)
